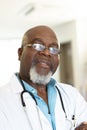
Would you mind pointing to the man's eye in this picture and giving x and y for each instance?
(38, 47)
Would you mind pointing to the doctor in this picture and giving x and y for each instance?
(33, 100)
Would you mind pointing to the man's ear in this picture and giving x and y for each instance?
(20, 53)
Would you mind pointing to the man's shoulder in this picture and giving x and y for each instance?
(7, 87)
(67, 89)
(65, 86)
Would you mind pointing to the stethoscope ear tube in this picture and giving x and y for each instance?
(22, 99)
(25, 91)
(61, 101)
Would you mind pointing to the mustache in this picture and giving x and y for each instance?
(44, 60)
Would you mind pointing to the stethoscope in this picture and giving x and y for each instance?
(70, 123)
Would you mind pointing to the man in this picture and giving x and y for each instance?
(33, 100)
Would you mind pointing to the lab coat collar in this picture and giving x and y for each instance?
(16, 86)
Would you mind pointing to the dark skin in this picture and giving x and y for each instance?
(83, 126)
(43, 61)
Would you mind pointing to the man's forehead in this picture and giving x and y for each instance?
(38, 31)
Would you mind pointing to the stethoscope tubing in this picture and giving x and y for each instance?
(24, 105)
(37, 109)
(22, 93)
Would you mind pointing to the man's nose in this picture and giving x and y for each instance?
(45, 51)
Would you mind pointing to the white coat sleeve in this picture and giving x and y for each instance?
(81, 109)
(3, 122)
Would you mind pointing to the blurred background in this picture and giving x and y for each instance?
(68, 18)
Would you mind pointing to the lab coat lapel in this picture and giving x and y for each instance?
(36, 118)
(60, 115)
(31, 112)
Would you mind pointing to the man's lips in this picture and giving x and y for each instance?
(44, 64)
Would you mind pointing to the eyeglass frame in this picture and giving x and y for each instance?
(44, 48)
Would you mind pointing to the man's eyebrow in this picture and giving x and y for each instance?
(54, 44)
(40, 40)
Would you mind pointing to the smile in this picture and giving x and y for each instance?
(43, 64)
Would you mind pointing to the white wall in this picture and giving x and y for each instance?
(8, 59)
(67, 32)
(81, 29)
(76, 32)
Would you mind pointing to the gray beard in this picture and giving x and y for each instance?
(39, 79)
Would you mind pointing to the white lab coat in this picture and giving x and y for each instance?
(13, 116)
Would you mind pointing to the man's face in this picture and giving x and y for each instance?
(43, 61)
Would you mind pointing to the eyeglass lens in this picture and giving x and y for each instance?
(40, 47)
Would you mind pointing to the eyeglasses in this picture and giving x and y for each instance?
(41, 47)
